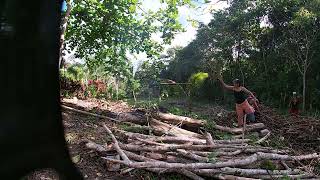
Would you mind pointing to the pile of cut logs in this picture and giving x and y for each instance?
(175, 144)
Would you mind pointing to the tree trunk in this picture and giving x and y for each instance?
(181, 120)
(165, 128)
(63, 31)
(304, 90)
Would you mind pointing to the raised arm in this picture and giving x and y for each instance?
(225, 85)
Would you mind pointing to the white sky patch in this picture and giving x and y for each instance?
(202, 14)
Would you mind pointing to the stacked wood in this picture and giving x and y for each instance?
(168, 147)
(199, 157)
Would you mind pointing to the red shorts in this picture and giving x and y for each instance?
(294, 111)
(243, 108)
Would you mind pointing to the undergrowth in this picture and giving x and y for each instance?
(134, 129)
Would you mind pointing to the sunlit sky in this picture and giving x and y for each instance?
(201, 14)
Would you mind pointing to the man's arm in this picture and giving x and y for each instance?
(250, 93)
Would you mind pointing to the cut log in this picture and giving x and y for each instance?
(170, 157)
(217, 153)
(119, 118)
(298, 176)
(146, 141)
(249, 128)
(132, 135)
(209, 139)
(264, 132)
(231, 177)
(173, 147)
(97, 147)
(132, 117)
(178, 120)
(181, 171)
(252, 172)
(231, 163)
(178, 140)
(173, 130)
(89, 113)
(192, 156)
(264, 138)
(244, 172)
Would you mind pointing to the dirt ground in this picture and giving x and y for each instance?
(79, 127)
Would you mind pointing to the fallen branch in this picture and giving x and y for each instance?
(172, 147)
(89, 113)
(298, 176)
(264, 138)
(209, 139)
(150, 142)
(97, 147)
(116, 145)
(217, 153)
(231, 177)
(251, 127)
(192, 156)
(233, 163)
(172, 130)
(175, 119)
(182, 171)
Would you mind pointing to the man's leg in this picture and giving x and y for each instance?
(240, 115)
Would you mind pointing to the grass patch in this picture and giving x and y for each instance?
(212, 157)
(254, 137)
(267, 164)
(143, 174)
(134, 129)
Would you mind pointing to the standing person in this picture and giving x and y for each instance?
(294, 104)
(242, 105)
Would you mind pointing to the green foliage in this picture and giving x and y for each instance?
(267, 44)
(73, 73)
(212, 157)
(285, 177)
(209, 126)
(134, 129)
(267, 164)
(107, 30)
(317, 168)
(198, 79)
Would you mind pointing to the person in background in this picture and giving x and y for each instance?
(242, 105)
(294, 104)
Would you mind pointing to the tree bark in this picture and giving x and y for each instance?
(63, 31)
(231, 163)
(169, 147)
(181, 120)
(184, 172)
(304, 89)
(89, 113)
(192, 156)
(209, 139)
(173, 130)
(252, 127)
